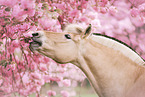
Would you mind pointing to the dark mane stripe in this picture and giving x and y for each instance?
(98, 34)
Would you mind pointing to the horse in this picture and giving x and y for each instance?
(112, 67)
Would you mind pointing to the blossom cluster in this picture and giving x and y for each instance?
(23, 72)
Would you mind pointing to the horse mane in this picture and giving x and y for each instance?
(119, 46)
(109, 42)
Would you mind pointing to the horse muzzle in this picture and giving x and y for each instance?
(36, 42)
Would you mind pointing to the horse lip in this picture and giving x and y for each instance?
(34, 45)
(36, 41)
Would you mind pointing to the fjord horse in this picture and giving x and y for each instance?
(113, 68)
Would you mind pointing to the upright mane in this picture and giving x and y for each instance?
(119, 46)
(109, 42)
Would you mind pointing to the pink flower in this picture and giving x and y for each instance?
(40, 5)
(61, 6)
(112, 10)
(102, 3)
(65, 93)
(142, 9)
(19, 13)
(62, 65)
(137, 21)
(1, 82)
(74, 12)
(70, 19)
(47, 23)
(35, 75)
(51, 93)
(46, 78)
(13, 66)
(134, 12)
(84, 19)
(61, 70)
(57, 79)
(25, 78)
(10, 3)
(136, 2)
(28, 6)
(43, 67)
(24, 27)
(46, 60)
(67, 82)
(103, 10)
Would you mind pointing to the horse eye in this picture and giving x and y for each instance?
(67, 36)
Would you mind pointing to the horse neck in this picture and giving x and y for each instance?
(107, 69)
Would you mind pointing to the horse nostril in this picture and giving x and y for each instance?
(35, 34)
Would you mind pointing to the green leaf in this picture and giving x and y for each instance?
(8, 9)
(5, 65)
(1, 43)
(1, 53)
(2, 62)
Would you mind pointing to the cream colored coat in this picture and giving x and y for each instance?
(113, 69)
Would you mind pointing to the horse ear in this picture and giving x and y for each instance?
(87, 31)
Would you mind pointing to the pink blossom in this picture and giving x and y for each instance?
(46, 60)
(1, 82)
(134, 12)
(92, 15)
(96, 23)
(67, 82)
(136, 2)
(43, 67)
(142, 9)
(102, 3)
(70, 19)
(25, 78)
(84, 19)
(35, 75)
(61, 6)
(10, 3)
(11, 31)
(28, 6)
(65, 93)
(74, 12)
(61, 70)
(113, 10)
(18, 13)
(63, 65)
(47, 23)
(137, 21)
(103, 10)
(33, 66)
(13, 66)
(142, 45)
(46, 78)
(51, 93)
(27, 72)
(57, 79)
(14, 44)
(40, 5)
